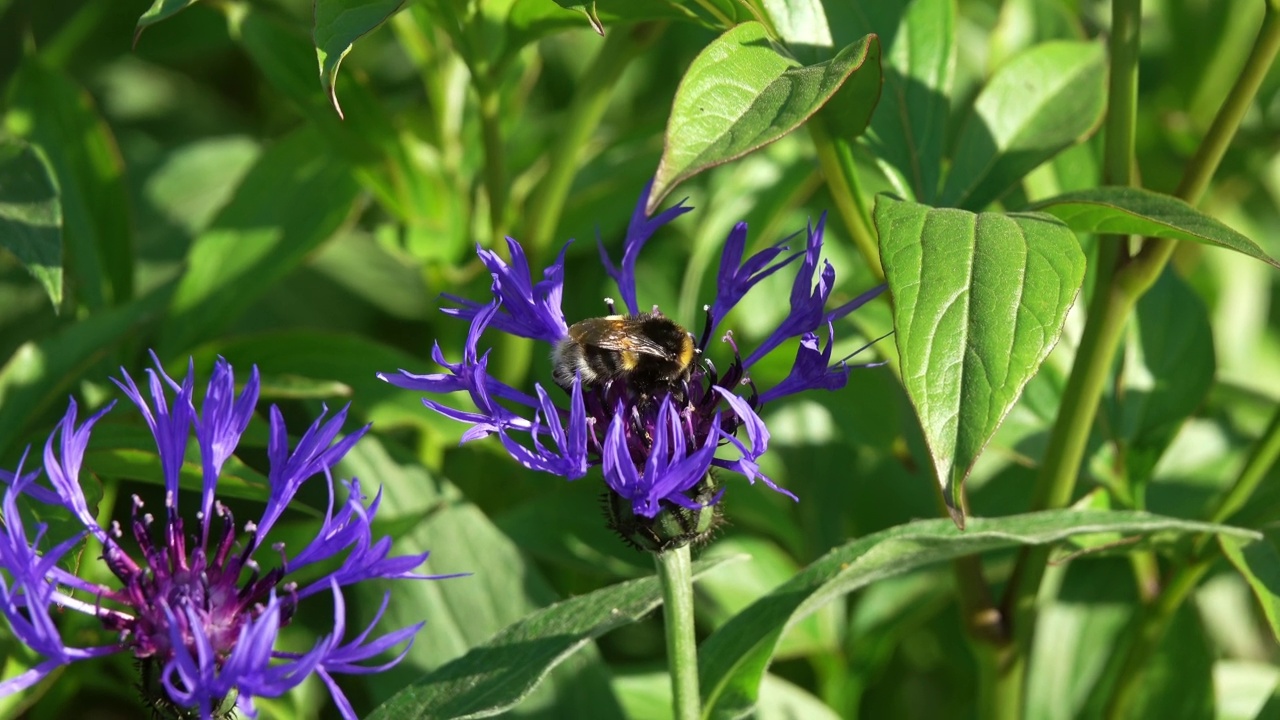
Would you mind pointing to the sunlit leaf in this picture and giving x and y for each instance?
(1135, 211)
(1041, 101)
(740, 94)
(978, 303)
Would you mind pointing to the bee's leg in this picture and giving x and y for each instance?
(608, 303)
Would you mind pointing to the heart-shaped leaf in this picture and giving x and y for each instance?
(496, 675)
(1041, 101)
(741, 94)
(31, 215)
(338, 24)
(1134, 211)
(732, 660)
(978, 302)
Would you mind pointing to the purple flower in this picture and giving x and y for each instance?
(656, 449)
(194, 607)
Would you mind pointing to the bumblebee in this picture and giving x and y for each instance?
(649, 351)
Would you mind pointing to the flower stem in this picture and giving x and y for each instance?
(835, 156)
(675, 572)
(590, 100)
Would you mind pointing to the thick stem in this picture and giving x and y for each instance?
(1138, 276)
(1104, 330)
(590, 100)
(675, 572)
(835, 157)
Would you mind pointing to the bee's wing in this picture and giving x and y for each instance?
(622, 341)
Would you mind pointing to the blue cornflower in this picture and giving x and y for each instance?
(656, 449)
(194, 607)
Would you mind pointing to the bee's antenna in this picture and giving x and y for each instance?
(608, 303)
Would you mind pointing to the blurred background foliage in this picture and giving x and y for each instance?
(214, 203)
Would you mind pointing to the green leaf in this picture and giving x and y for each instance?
(31, 216)
(291, 200)
(52, 112)
(1258, 563)
(740, 94)
(1134, 211)
(424, 513)
(1043, 100)
(331, 357)
(159, 10)
(495, 676)
(39, 372)
(978, 302)
(1167, 371)
(1177, 682)
(338, 24)
(719, 14)
(129, 452)
(732, 661)
(908, 129)
(1076, 634)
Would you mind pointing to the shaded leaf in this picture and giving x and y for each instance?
(1167, 371)
(424, 512)
(31, 216)
(1041, 101)
(54, 113)
(978, 303)
(498, 674)
(1134, 211)
(740, 94)
(732, 661)
(338, 24)
(159, 10)
(908, 129)
(39, 372)
(290, 201)
(1258, 563)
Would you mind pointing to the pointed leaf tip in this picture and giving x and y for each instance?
(337, 26)
(741, 94)
(978, 303)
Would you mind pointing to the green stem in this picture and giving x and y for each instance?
(835, 156)
(1107, 314)
(1265, 453)
(1140, 275)
(590, 100)
(495, 170)
(998, 700)
(675, 571)
(1146, 636)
